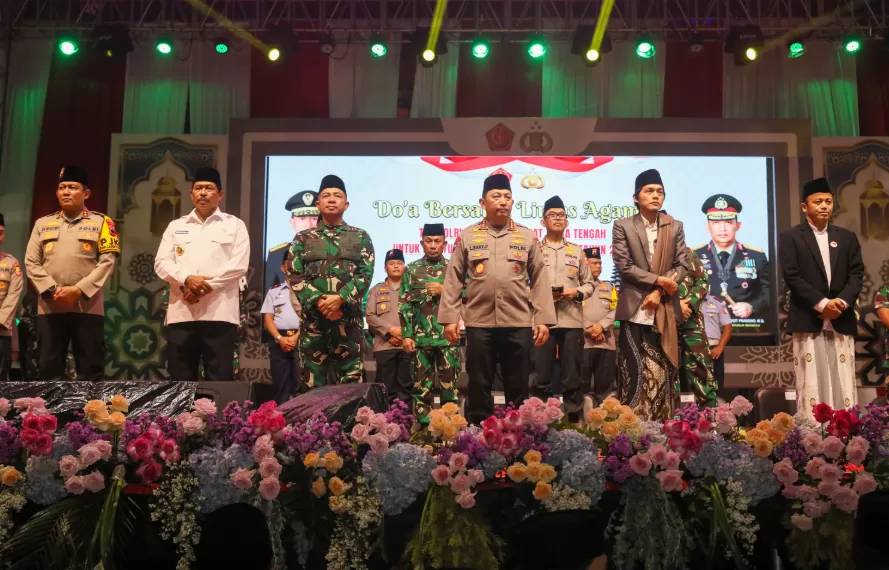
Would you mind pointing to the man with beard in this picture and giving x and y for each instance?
(331, 270)
(303, 215)
(437, 361)
(571, 285)
(508, 300)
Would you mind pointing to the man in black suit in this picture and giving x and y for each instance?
(823, 269)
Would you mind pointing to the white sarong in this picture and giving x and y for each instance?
(824, 366)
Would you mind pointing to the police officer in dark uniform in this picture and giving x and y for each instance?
(739, 274)
(303, 215)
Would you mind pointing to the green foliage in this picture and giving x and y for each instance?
(827, 545)
(451, 536)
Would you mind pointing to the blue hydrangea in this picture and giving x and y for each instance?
(723, 460)
(584, 473)
(213, 466)
(493, 464)
(399, 476)
(568, 445)
(42, 483)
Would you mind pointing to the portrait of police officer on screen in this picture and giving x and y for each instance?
(739, 273)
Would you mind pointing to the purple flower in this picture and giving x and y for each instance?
(10, 446)
(318, 436)
(689, 412)
(873, 428)
(80, 434)
(621, 445)
(792, 448)
(234, 427)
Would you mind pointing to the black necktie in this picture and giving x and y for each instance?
(723, 258)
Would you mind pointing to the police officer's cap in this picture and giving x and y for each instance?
(394, 255)
(817, 186)
(302, 204)
(496, 181)
(433, 230)
(332, 181)
(592, 253)
(208, 174)
(73, 173)
(721, 207)
(554, 202)
(650, 176)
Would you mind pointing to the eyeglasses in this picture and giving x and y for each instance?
(557, 216)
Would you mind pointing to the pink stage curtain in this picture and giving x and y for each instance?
(819, 86)
(84, 106)
(295, 87)
(693, 81)
(504, 84)
(873, 90)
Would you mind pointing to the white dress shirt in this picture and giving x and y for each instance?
(823, 247)
(218, 247)
(646, 316)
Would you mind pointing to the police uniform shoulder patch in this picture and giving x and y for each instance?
(108, 240)
(279, 246)
(702, 246)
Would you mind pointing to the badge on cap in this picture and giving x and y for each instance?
(833, 244)
(479, 268)
(308, 198)
(179, 250)
(720, 203)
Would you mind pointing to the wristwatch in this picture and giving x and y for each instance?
(579, 297)
(277, 338)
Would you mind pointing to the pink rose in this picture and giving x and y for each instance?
(704, 425)
(204, 407)
(269, 468)
(814, 508)
(534, 402)
(94, 482)
(169, 448)
(479, 476)
(831, 473)
(554, 413)
(149, 471)
(785, 472)
(540, 417)
(89, 455)
(864, 483)
(513, 419)
(640, 464)
(104, 448)
(672, 461)
(28, 435)
(4, 407)
(675, 428)
(141, 448)
(658, 455)
(491, 438)
(828, 489)
(48, 423)
(377, 421)
(492, 423)
(262, 452)
(31, 421)
(458, 461)
(42, 445)
(526, 413)
(509, 444)
(813, 444)
(359, 432)
(74, 485)
(441, 475)
(832, 447)
(813, 467)
(846, 499)
(392, 431)
(725, 421)
(269, 488)
(378, 443)
(243, 479)
(807, 493)
(192, 425)
(741, 406)
(68, 466)
(858, 441)
(670, 480)
(363, 415)
(460, 484)
(466, 500)
(801, 522)
(856, 455)
(154, 433)
(790, 492)
(553, 403)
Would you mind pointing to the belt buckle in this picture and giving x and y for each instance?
(291, 333)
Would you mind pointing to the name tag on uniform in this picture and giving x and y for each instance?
(181, 231)
(687, 398)
(499, 400)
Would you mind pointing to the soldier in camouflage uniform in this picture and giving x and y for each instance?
(881, 306)
(330, 272)
(438, 362)
(696, 371)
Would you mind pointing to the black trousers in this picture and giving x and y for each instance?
(570, 345)
(485, 348)
(395, 371)
(598, 372)
(5, 357)
(212, 342)
(85, 334)
(719, 371)
(285, 372)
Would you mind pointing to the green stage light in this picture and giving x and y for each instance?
(645, 49)
(378, 49)
(536, 49)
(852, 45)
(164, 47)
(68, 47)
(796, 49)
(480, 48)
(221, 47)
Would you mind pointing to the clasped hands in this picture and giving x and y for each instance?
(330, 306)
(67, 295)
(595, 332)
(196, 286)
(662, 285)
(833, 309)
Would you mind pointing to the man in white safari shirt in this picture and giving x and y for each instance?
(203, 256)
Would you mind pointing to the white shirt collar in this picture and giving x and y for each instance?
(193, 216)
(817, 231)
(651, 226)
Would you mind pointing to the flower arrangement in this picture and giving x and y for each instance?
(457, 476)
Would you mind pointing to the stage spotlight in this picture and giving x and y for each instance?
(645, 47)
(592, 57)
(222, 46)
(581, 44)
(164, 46)
(68, 46)
(795, 48)
(744, 42)
(852, 44)
(427, 56)
(281, 42)
(536, 47)
(112, 41)
(327, 43)
(480, 48)
(696, 43)
(378, 46)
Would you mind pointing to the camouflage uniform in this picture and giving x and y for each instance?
(696, 371)
(435, 355)
(882, 302)
(330, 261)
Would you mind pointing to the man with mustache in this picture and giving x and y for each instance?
(824, 272)
(70, 255)
(11, 285)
